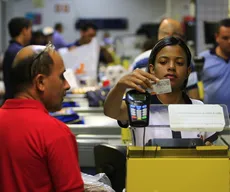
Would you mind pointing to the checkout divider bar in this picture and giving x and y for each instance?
(95, 129)
(88, 109)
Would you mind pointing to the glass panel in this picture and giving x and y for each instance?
(159, 132)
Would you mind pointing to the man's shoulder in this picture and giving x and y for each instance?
(52, 121)
(143, 55)
(141, 60)
(56, 34)
(50, 126)
(39, 120)
(205, 53)
(42, 119)
(12, 50)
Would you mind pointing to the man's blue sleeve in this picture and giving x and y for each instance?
(141, 63)
(193, 79)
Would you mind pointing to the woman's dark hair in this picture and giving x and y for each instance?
(169, 41)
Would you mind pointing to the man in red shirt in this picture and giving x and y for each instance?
(37, 152)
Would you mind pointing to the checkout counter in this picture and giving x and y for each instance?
(97, 129)
(156, 168)
(184, 165)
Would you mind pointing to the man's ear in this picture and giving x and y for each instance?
(24, 31)
(217, 37)
(151, 68)
(39, 82)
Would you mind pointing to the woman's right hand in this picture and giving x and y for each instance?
(138, 79)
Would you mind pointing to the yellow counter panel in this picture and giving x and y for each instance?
(207, 171)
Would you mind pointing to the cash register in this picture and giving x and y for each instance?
(138, 110)
(182, 164)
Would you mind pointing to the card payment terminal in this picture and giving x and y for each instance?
(138, 108)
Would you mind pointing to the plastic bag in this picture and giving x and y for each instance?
(96, 183)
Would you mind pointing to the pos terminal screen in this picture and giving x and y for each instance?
(137, 97)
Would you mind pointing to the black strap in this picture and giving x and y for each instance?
(212, 138)
(176, 134)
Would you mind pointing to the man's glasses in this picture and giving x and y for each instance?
(48, 47)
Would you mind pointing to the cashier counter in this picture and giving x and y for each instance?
(98, 129)
(152, 168)
(184, 165)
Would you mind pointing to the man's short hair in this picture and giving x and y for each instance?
(25, 70)
(58, 26)
(149, 44)
(86, 26)
(223, 23)
(17, 24)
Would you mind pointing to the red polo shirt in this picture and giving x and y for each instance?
(37, 152)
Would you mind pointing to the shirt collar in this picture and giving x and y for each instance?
(23, 104)
(77, 43)
(213, 52)
(15, 42)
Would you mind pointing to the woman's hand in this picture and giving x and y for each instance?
(138, 79)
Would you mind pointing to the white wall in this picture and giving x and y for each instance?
(180, 8)
(135, 11)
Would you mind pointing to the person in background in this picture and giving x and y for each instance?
(88, 31)
(20, 30)
(107, 40)
(170, 27)
(169, 59)
(37, 38)
(38, 152)
(149, 44)
(216, 69)
(58, 39)
(48, 34)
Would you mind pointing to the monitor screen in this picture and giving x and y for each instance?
(104, 23)
(190, 31)
(149, 29)
(209, 32)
